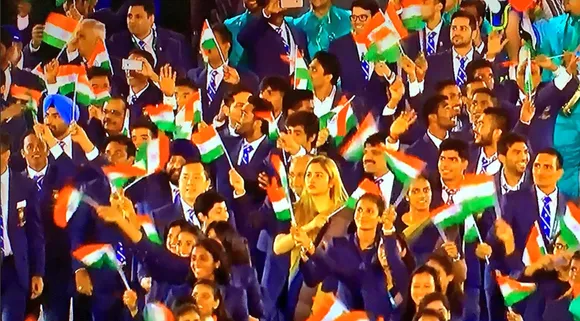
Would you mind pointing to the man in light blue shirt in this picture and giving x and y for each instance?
(322, 24)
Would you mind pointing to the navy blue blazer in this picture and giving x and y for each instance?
(151, 96)
(25, 228)
(416, 42)
(426, 150)
(166, 215)
(167, 50)
(199, 78)
(549, 288)
(373, 91)
(557, 310)
(150, 192)
(264, 48)
(441, 68)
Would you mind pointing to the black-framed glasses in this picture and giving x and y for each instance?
(361, 18)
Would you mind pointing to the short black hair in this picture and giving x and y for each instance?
(143, 54)
(457, 145)
(276, 83)
(224, 34)
(307, 120)
(5, 142)
(236, 89)
(148, 6)
(184, 309)
(376, 139)
(145, 122)
(431, 106)
(506, 141)
(501, 118)
(428, 313)
(261, 105)
(98, 72)
(185, 82)
(370, 5)
(206, 200)
(475, 65)
(26, 134)
(295, 97)
(329, 63)
(488, 92)
(443, 4)
(377, 199)
(440, 86)
(196, 160)
(192, 229)
(479, 7)
(433, 297)
(465, 14)
(123, 140)
(554, 152)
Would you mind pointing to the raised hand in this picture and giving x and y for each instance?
(421, 66)
(495, 44)
(409, 67)
(388, 219)
(397, 90)
(231, 75)
(545, 62)
(323, 135)
(527, 111)
(83, 282)
(43, 132)
(402, 123)
(483, 251)
(167, 79)
(287, 143)
(382, 69)
(237, 182)
(37, 32)
(50, 71)
(36, 286)
(451, 249)
(505, 234)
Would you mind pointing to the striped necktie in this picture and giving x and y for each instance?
(246, 154)
(461, 74)
(366, 67)
(1, 231)
(38, 179)
(279, 31)
(190, 217)
(431, 43)
(120, 253)
(212, 85)
(545, 216)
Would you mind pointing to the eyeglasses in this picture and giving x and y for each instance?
(560, 246)
(361, 18)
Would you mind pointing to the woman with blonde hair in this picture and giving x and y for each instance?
(319, 216)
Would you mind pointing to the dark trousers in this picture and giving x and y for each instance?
(14, 295)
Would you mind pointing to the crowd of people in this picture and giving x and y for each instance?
(305, 167)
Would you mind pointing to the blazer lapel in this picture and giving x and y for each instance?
(352, 47)
(235, 155)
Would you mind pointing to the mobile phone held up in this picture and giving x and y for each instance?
(130, 64)
(291, 4)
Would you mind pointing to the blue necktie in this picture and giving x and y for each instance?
(134, 99)
(284, 41)
(431, 43)
(38, 180)
(191, 216)
(461, 75)
(379, 181)
(485, 162)
(142, 44)
(246, 154)
(120, 253)
(545, 217)
(366, 67)
(1, 232)
(177, 197)
(212, 85)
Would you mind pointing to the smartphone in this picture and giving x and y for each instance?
(291, 4)
(130, 64)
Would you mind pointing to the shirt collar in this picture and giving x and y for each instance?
(552, 195)
(32, 173)
(275, 27)
(255, 143)
(67, 140)
(436, 140)
(492, 157)
(219, 69)
(469, 55)
(185, 206)
(385, 177)
(148, 40)
(132, 93)
(331, 96)
(506, 187)
(437, 28)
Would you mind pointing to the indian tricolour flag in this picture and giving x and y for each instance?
(31, 96)
(512, 290)
(411, 14)
(365, 187)
(471, 233)
(100, 57)
(153, 155)
(189, 115)
(209, 143)
(300, 70)
(278, 165)
(273, 131)
(352, 150)
(97, 256)
(574, 307)
(149, 227)
(120, 174)
(280, 202)
(157, 312)
(58, 30)
(381, 37)
(476, 194)
(162, 116)
(207, 40)
(73, 78)
(340, 121)
(67, 202)
(405, 167)
(535, 247)
(447, 215)
(327, 307)
(100, 97)
(570, 226)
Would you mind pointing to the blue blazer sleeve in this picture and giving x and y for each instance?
(34, 234)
(250, 279)
(161, 264)
(398, 268)
(77, 231)
(316, 269)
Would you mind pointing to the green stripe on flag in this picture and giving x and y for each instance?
(390, 55)
(568, 236)
(212, 155)
(283, 215)
(351, 202)
(66, 88)
(209, 44)
(104, 262)
(302, 73)
(106, 65)
(53, 41)
(414, 24)
(515, 297)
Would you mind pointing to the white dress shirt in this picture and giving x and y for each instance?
(255, 144)
(191, 219)
(494, 164)
(22, 22)
(7, 82)
(456, 63)
(148, 44)
(385, 183)
(32, 173)
(436, 140)
(552, 205)
(428, 31)
(132, 93)
(5, 181)
(362, 50)
(287, 36)
(505, 187)
(321, 108)
(219, 77)
(57, 150)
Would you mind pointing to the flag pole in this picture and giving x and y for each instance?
(295, 58)
(74, 96)
(123, 277)
(225, 151)
(480, 239)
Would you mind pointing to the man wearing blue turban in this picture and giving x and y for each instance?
(60, 116)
